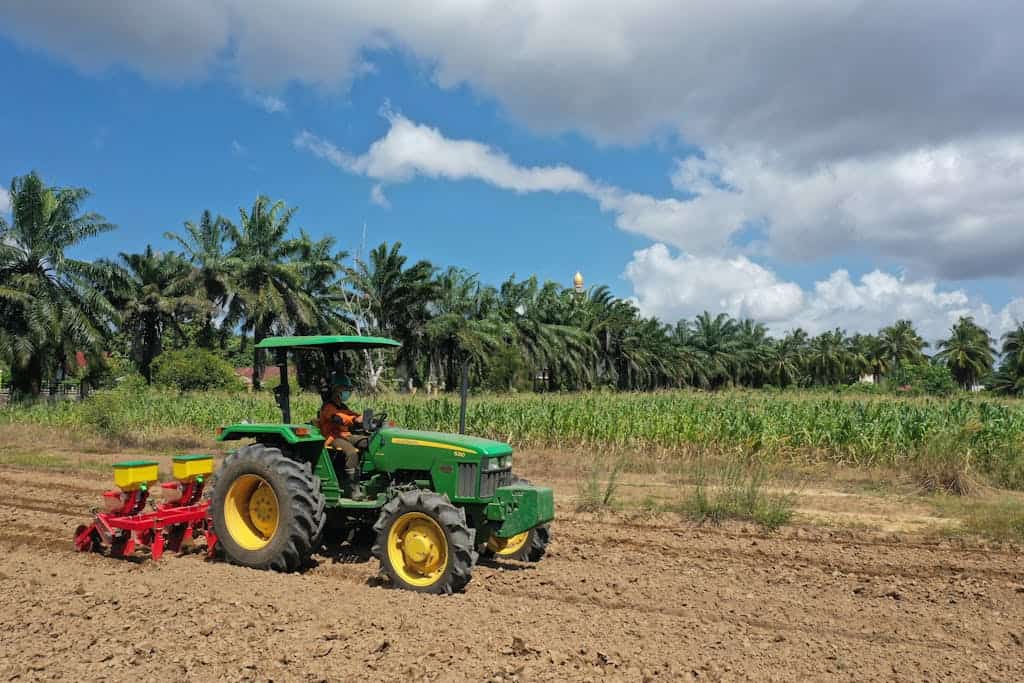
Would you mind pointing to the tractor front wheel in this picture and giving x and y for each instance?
(267, 509)
(424, 544)
(528, 546)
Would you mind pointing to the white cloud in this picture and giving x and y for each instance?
(813, 80)
(238, 149)
(954, 210)
(680, 287)
(269, 103)
(675, 287)
(5, 200)
(409, 150)
(378, 197)
(174, 41)
(895, 128)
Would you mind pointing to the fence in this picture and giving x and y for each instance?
(57, 391)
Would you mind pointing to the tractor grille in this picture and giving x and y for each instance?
(466, 486)
(492, 480)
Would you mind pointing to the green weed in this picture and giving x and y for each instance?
(736, 490)
(599, 486)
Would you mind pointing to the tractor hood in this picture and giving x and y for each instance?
(439, 440)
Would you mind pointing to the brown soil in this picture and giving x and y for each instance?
(619, 597)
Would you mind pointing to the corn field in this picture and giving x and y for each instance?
(794, 426)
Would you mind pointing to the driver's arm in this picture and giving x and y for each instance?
(346, 419)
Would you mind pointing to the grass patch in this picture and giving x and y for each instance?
(945, 464)
(49, 461)
(944, 471)
(597, 489)
(736, 490)
(995, 517)
(35, 460)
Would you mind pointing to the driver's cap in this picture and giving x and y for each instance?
(341, 382)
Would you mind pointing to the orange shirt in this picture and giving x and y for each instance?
(331, 427)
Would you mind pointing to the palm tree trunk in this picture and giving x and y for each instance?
(28, 379)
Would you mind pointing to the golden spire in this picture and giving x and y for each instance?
(577, 281)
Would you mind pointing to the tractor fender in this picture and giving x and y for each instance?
(288, 433)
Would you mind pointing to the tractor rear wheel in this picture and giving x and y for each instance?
(267, 509)
(424, 544)
(529, 546)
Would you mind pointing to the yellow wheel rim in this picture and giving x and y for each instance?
(251, 512)
(418, 549)
(507, 546)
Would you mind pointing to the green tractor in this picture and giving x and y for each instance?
(428, 502)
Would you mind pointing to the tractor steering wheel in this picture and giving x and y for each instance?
(372, 423)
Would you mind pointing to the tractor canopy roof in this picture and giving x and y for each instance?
(328, 342)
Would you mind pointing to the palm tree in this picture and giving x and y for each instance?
(205, 247)
(718, 341)
(539, 324)
(606, 320)
(465, 328)
(900, 343)
(389, 299)
(320, 268)
(688, 360)
(871, 355)
(1009, 378)
(786, 359)
(650, 354)
(146, 288)
(828, 358)
(49, 302)
(264, 275)
(753, 354)
(969, 352)
(1013, 345)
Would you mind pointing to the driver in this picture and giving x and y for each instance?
(337, 420)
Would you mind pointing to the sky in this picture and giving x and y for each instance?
(806, 164)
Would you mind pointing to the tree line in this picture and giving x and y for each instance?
(228, 284)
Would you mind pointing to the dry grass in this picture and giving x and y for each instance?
(998, 516)
(598, 484)
(737, 488)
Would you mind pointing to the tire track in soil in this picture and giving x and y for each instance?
(34, 505)
(808, 537)
(46, 539)
(785, 559)
(759, 557)
(49, 483)
(703, 616)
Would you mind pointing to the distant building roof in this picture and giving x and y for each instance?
(271, 372)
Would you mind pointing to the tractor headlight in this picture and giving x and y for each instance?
(506, 461)
(493, 464)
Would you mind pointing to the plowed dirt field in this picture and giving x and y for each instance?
(618, 597)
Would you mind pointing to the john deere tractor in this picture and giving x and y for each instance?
(428, 502)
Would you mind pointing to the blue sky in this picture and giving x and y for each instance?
(687, 157)
(156, 154)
